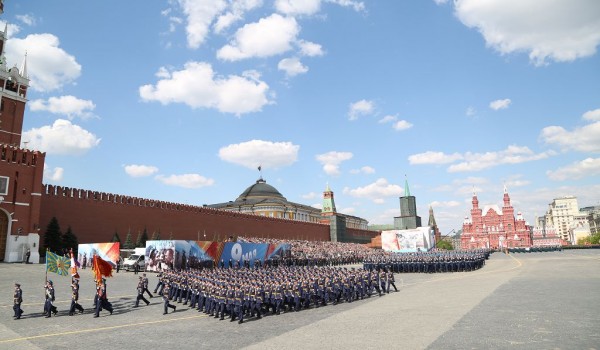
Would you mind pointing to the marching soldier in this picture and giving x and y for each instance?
(102, 302)
(18, 299)
(145, 285)
(140, 293)
(75, 298)
(165, 297)
(49, 307)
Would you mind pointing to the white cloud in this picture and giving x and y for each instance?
(511, 155)
(582, 139)
(331, 161)
(292, 66)
(49, 67)
(298, 7)
(62, 138)
(310, 49)
(401, 125)
(55, 174)
(185, 180)
(197, 86)
(500, 104)
(364, 170)
(26, 19)
(135, 170)
(388, 119)
(357, 6)
(267, 154)
(236, 12)
(348, 211)
(200, 14)
(446, 204)
(375, 191)
(592, 115)
(269, 36)
(441, 2)
(360, 108)
(69, 106)
(558, 30)
(575, 171)
(431, 157)
(317, 205)
(309, 195)
(12, 30)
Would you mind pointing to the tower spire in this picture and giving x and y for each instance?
(23, 69)
(406, 189)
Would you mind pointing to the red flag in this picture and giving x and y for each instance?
(101, 268)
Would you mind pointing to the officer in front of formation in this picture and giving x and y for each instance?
(49, 307)
(102, 302)
(165, 295)
(18, 299)
(145, 284)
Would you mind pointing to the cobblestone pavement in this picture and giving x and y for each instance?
(529, 301)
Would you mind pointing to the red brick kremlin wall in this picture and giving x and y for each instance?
(95, 216)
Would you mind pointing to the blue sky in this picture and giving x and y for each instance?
(182, 100)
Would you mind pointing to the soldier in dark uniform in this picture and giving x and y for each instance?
(165, 297)
(140, 293)
(49, 308)
(18, 299)
(75, 298)
(102, 302)
(390, 281)
(145, 284)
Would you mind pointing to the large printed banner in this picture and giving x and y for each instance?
(403, 241)
(178, 254)
(107, 251)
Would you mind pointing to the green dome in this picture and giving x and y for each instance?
(260, 189)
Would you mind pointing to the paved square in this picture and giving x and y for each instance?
(528, 301)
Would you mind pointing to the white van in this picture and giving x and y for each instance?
(137, 258)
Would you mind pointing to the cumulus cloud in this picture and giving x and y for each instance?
(360, 108)
(269, 36)
(388, 119)
(375, 191)
(511, 155)
(357, 6)
(431, 157)
(292, 66)
(582, 139)
(185, 180)
(69, 106)
(135, 170)
(298, 7)
(255, 153)
(310, 49)
(198, 87)
(26, 19)
(401, 125)
(310, 195)
(331, 161)
(49, 67)
(575, 171)
(479, 161)
(363, 170)
(561, 31)
(236, 13)
(446, 204)
(62, 138)
(55, 174)
(500, 104)
(348, 211)
(200, 14)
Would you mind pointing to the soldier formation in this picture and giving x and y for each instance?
(239, 293)
(428, 262)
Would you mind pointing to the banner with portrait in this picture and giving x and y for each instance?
(404, 241)
(106, 251)
(240, 253)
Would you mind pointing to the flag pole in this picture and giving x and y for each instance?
(47, 264)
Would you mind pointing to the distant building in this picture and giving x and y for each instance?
(408, 218)
(561, 215)
(492, 227)
(593, 218)
(433, 225)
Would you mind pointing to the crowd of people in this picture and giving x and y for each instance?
(315, 253)
(239, 293)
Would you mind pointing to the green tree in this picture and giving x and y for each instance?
(155, 235)
(116, 237)
(69, 240)
(170, 236)
(128, 242)
(52, 237)
(143, 239)
(444, 244)
(138, 240)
